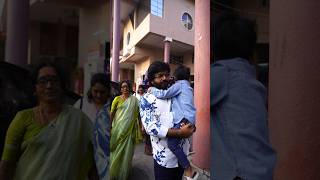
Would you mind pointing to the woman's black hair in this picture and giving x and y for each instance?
(156, 67)
(100, 78)
(35, 73)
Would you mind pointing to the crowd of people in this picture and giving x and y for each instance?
(96, 137)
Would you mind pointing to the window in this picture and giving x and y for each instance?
(157, 7)
(176, 59)
(187, 21)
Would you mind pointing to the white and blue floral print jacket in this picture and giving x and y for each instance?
(157, 118)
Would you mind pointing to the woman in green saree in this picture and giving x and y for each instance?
(125, 132)
(51, 140)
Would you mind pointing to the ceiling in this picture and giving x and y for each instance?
(67, 11)
(54, 13)
(156, 41)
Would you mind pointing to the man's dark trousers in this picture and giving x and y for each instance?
(162, 173)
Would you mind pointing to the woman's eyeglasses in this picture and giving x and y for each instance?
(125, 86)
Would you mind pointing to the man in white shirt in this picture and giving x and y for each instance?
(157, 120)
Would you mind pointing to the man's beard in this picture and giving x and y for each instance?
(162, 85)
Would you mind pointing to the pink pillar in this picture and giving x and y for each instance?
(294, 88)
(166, 56)
(201, 139)
(116, 41)
(17, 32)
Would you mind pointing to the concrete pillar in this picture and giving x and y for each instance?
(294, 88)
(17, 32)
(115, 41)
(166, 56)
(201, 139)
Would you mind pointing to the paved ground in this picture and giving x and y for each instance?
(142, 166)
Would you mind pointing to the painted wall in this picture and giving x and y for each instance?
(294, 88)
(141, 66)
(94, 30)
(142, 10)
(156, 55)
(136, 34)
(170, 24)
(140, 69)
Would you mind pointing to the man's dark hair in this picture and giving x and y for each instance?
(155, 67)
(182, 73)
(233, 36)
(100, 78)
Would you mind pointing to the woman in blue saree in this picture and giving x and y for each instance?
(125, 132)
(99, 96)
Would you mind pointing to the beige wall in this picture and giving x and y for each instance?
(140, 69)
(143, 9)
(254, 9)
(136, 35)
(128, 28)
(141, 65)
(170, 24)
(94, 30)
(156, 55)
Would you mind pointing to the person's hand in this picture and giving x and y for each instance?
(186, 130)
